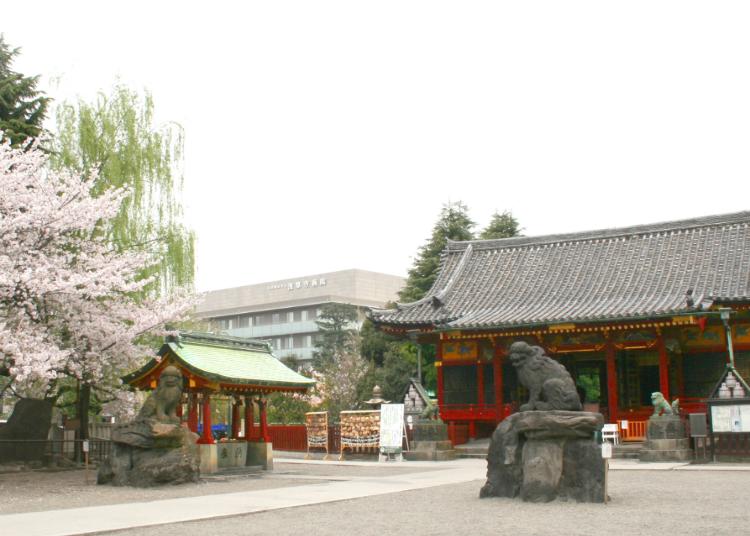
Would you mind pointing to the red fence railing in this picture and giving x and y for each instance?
(288, 436)
(476, 412)
(293, 437)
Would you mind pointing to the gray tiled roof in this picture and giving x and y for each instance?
(628, 273)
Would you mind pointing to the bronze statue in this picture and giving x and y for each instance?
(662, 407)
(550, 385)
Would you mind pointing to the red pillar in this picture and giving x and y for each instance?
(440, 384)
(262, 402)
(235, 418)
(612, 399)
(193, 412)
(178, 409)
(663, 366)
(249, 418)
(497, 371)
(206, 437)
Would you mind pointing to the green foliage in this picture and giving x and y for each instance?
(394, 362)
(284, 408)
(590, 384)
(453, 224)
(115, 136)
(22, 106)
(501, 226)
(336, 323)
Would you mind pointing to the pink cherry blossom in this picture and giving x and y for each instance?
(71, 304)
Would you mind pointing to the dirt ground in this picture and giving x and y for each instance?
(643, 502)
(31, 491)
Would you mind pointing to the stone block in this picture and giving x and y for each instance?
(666, 440)
(260, 454)
(430, 431)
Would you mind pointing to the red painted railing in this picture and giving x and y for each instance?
(636, 430)
(475, 412)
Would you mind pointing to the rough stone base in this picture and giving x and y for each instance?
(540, 456)
(173, 460)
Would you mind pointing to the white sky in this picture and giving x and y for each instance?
(325, 135)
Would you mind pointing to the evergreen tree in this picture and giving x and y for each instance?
(337, 323)
(501, 226)
(453, 224)
(22, 106)
(114, 136)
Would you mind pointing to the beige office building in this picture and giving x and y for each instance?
(284, 312)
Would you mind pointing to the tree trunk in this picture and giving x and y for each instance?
(84, 401)
(29, 421)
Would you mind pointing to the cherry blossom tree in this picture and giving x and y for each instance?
(71, 305)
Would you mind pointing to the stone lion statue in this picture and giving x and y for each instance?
(161, 405)
(550, 385)
(662, 407)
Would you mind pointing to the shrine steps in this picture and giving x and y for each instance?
(630, 450)
(475, 448)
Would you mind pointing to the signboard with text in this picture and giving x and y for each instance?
(391, 427)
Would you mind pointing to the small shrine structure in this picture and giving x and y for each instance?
(213, 367)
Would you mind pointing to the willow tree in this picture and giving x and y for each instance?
(114, 137)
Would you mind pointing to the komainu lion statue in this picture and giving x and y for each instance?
(161, 405)
(662, 407)
(550, 385)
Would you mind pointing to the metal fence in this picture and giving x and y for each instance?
(46, 450)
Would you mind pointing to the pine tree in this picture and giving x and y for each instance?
(453, 224)
(336, 328)
(22, 106)
(501, 226)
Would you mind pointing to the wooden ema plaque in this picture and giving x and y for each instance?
(316, 426)
(360, 431)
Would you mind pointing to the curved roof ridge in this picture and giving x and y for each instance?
(618, 232)
(440, 294)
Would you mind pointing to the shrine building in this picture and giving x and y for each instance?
(238, 371)
(628, 312)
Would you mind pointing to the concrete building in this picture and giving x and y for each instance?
(284, 312)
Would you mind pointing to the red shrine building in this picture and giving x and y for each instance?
(628, 312)
(240, 372)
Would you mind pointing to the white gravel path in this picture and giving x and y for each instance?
(643, 502)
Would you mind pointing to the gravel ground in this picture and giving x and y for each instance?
(31, 491)
(643, 502)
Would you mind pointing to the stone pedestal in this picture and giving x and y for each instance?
(540, 456)
(666, 440)
(260, 454)
(149, 453)
(430, 443)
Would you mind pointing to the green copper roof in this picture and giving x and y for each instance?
(228, 360)
(236, 364)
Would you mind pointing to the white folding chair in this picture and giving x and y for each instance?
(611, 431)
